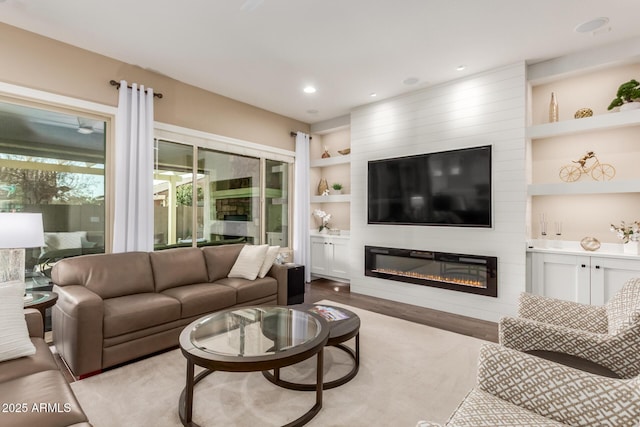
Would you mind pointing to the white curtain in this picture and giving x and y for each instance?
(133, 216)
(301, 205)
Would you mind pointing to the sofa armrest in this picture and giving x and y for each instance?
(280, 273)
(77, 328)
(555, 391)
(561, 312)
(35, 325)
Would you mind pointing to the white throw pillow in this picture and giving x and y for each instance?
(249, 262)
(269, 259)
(14, 335)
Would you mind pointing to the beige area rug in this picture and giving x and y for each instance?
(407, 372)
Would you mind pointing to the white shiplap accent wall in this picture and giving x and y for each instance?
(487, 108)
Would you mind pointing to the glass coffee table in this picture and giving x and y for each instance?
(343, 325)
(252, 339)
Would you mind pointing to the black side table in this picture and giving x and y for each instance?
(295, 283)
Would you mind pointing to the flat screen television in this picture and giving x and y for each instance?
(448, 188)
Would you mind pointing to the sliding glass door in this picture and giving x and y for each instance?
(54, 163)
(217, 199)
(230, 185)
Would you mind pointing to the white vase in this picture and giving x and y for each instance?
(632, 247)
(337, 191)
(628, 106)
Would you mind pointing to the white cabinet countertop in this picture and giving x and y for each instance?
(613, 250)
(344, 234)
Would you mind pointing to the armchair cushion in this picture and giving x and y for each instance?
(555, 391)
(518, 389)
(606, 335)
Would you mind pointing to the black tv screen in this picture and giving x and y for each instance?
(448, 188)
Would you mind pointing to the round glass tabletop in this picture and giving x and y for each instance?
(256, 331)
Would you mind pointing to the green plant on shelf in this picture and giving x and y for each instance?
(627, 92)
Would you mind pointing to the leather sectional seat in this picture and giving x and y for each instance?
(114, 308)
(33, 391)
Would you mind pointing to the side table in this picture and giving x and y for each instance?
(295, 283)
(41, 300)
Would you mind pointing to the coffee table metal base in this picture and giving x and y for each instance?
(185, 405)
(354, 354)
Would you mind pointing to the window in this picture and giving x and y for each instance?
(225, 205)
(54, 163)
(277, 203)
(173, 195)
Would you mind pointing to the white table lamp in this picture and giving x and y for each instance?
(18, 230)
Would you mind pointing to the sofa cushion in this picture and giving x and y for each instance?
(220, 259)
(135, 312)
(178, 267)
(202, 298)
(249, 261)
(249, 290)
(42, 360)
(482, 409)
(108, 275)
(14, 335)
(47, 397)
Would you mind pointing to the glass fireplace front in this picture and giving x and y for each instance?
(466, 273)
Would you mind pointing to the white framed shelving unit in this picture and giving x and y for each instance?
(601, 122)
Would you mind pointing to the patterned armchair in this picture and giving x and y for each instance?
(518, 389)
(608, 336)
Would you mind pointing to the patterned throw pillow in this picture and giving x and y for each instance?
(14, 335)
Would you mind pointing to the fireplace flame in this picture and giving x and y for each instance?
(432, 277)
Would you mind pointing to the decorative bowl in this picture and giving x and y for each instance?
(590, 244)
(583, 112)
(345, 151)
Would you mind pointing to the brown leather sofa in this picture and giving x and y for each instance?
(114, 308)
(33, 391)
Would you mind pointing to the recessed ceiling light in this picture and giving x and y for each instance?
(250, 5)
(411, 81)
(312, 111)
(461, 67)
(590, 26)
(85, 130)
(309, 89)
(373, 94)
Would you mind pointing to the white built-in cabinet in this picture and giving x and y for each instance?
(580, 278)
(330, 257)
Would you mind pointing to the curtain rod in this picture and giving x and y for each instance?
(117, 85)
(296, 134)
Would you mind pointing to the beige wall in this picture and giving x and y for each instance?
(41, 63)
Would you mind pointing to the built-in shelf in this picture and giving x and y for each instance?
(331, 198)
(330, 161)
(600, 122)
(593, 187)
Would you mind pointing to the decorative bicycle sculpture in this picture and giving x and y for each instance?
(588, 165)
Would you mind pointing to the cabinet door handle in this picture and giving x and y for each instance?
(597, 267)
(584, 265)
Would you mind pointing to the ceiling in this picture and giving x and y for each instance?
(264, 52)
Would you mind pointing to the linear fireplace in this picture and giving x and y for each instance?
(465, 273)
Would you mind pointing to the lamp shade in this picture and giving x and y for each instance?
(21, 230)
